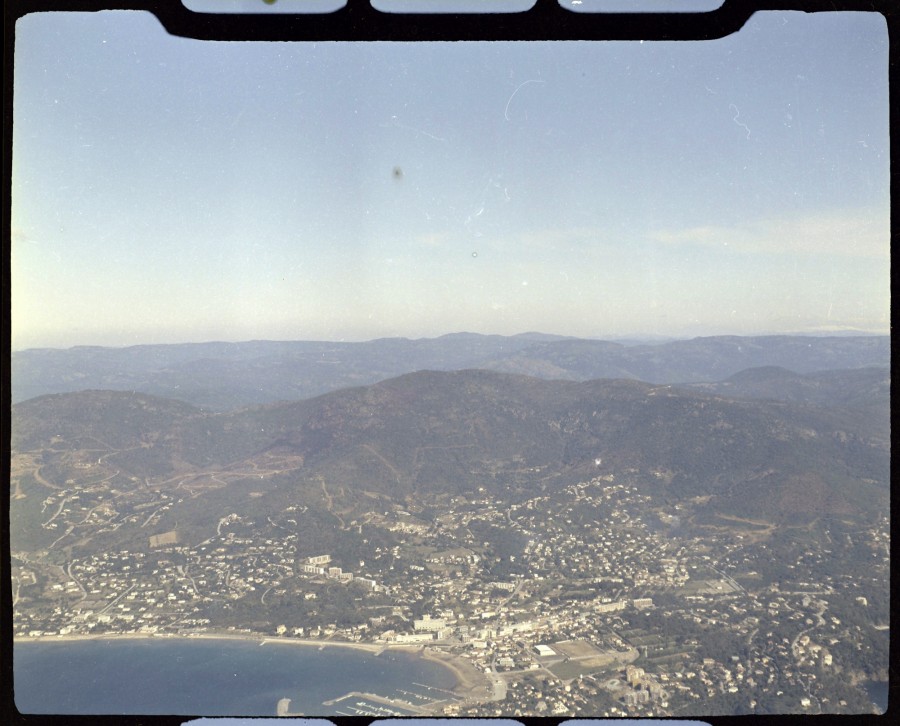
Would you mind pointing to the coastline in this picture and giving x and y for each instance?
(470, 684)
(249, 637)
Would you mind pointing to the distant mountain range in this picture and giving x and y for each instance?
(226, 376)
(859, 388)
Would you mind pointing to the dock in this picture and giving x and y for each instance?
(371, 704)
(283, 708)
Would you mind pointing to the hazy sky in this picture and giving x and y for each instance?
(169, 190)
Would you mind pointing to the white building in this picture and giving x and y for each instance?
(413, 637)
(427, 623)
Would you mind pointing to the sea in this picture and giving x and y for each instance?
(218, 677)
(878, 692)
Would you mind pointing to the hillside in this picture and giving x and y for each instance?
(859, 388)
(436, 433)
(696, 360)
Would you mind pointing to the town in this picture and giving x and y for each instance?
(591, 599)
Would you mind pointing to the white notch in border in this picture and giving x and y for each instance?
(264, 7)
(480, 7)
(641, 6)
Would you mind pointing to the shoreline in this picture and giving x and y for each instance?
(249, 637)
(470, 684)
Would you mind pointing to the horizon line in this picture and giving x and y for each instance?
(646, 338)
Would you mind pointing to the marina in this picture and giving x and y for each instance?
(357, 703)
(409, 702)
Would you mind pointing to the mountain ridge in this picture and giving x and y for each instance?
(225, 376)
(442, 433)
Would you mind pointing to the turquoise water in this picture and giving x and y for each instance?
(207, 677)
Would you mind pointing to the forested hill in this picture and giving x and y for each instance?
(445, 432)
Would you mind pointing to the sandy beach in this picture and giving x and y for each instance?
(471, 683)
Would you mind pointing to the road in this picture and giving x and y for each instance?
(119, 597)
(183, 571)
(822, 608)
(57, 512)
(729, 580)
(76, 580)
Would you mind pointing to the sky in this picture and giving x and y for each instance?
(169, 190)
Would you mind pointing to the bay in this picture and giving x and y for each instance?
(878, 692)
(210, 677)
